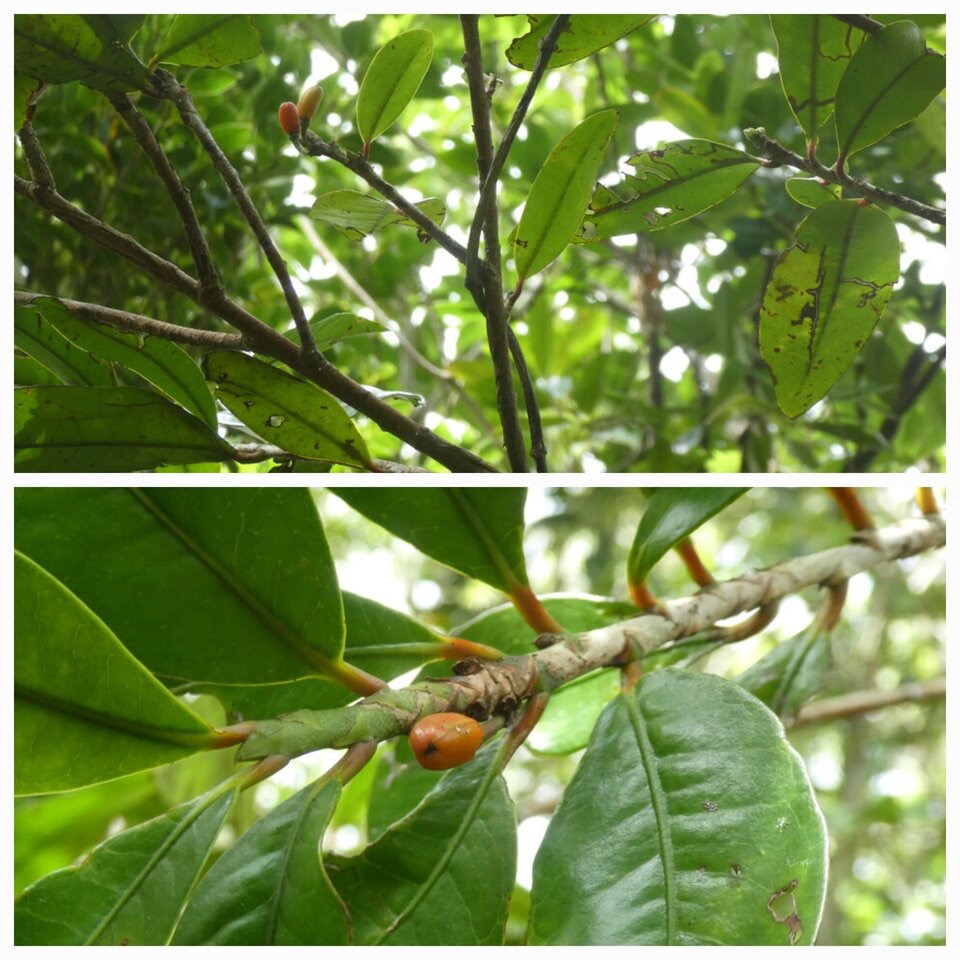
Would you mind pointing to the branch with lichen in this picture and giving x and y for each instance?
(500, 686)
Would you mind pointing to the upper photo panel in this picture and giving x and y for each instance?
(526, 243)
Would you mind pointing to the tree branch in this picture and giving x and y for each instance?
(135, 323)
(861, 22)
(180, 96)
(779, 154)
(866, 701)
(258, 335)
(511, 680)
(485, 280)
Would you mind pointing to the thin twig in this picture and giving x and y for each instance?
(538, 445)
(144, 136)
(866, 701)
(136, 323)
(861, 22)
(779, 154)
(489, 188)
(182, 100)
(485, 280)
(313, 146)
(257, 335)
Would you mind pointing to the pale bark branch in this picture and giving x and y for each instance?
(514, 679)
(867, 701)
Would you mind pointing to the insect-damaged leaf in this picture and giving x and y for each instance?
(586, 33)
(294, 414)
(671, 184)
(394, 76)
(827, 293)
(355, 214)
(813, 51)
(561, 192)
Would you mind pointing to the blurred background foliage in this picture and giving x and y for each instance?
(643, 349)
(879, 777)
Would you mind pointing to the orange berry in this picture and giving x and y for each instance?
(288, 117)
(445, 740)
(309, 102)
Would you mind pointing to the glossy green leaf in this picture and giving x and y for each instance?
(475, 530)
(811, 192)
(586, 33)
(55, 830)
(392, 79)
(103, 429)
(270, 888)
(163, 363)
(285, 410)
(202, 584)
(355, 215)
(210, 40)
(458, 868)
(672, 514)
(891, 80)
(671, 184)
(84, 709)
(573, 711)
(561, 192)
(41, 340)
(130, 889)
(690, 821)
(328, 331)
(813, 50)
(791, 673)
(379, 640)
(94, 49)
(827, 292)
(398, 787)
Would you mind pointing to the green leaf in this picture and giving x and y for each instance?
(379, 640)
(202, 584)
(890, 80)
(813, 50)
(39, 339)
(458, 871)
(791, 673)
(102, 429)
(270, 887)
(85, 709)
(827, 292)
(673, 183)
(585, 34)
(477, 531)
(672, 514)
(210, 40)
(811, 192)
(356, 214)
(689, 821)
(94, 49)
(328, 331)
(392, 79)
(572, 713)
(129, 890)
(285, 410)
(561, 192)
(163, 363)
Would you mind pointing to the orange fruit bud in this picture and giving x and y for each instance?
(288, 117)
(445, 740)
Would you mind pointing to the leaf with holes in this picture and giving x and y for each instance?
(690, 821)
(586, 33)
(671, 184)
(292, 413)
(827, 292)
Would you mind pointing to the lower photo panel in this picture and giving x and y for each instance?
(479, 716)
